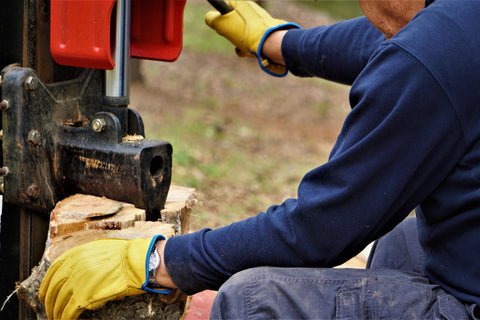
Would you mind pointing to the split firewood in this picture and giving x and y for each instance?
(83, 218)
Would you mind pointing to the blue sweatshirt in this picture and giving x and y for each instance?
(410, 140)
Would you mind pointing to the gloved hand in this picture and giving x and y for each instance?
(247, 26)
(87, 276)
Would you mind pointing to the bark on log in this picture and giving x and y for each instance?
(84, 218)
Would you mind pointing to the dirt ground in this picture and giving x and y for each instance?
(291, 122)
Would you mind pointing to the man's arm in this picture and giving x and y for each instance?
(338, 52)
(385, 162)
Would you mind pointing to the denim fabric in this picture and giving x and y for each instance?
(320, 293)
(398, 250)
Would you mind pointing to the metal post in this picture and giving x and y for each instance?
(117, 80)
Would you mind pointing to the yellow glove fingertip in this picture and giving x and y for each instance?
(243, 54)
(42, 292)
(70, 310)
(210, 16)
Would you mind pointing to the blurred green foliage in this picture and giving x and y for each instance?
(197, 36)
(340, 9)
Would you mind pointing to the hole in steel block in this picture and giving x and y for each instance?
(156, 166)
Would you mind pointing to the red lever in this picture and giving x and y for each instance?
(81, 31)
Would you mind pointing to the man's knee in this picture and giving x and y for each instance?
(238, 280)
(229, 302)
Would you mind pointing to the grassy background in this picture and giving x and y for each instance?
(340, 9)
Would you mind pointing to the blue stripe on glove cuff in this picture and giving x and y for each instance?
(147, 273)
(287, 25)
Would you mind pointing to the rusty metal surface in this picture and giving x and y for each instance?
(58, 141)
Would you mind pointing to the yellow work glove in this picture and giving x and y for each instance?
(87, 276)
(247, 26)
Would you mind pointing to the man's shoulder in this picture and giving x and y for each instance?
(446, 29)
(445, 40)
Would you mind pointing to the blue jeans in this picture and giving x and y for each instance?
(392, 287)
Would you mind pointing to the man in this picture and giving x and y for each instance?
(411, 140)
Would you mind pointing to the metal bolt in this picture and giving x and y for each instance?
(33, 191)
(4, 105)
(31, 83)
(99, 124)
(35, 137)
(3, 171)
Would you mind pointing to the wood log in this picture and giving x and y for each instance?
(83, 218)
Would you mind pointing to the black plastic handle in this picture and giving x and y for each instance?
(221, 6)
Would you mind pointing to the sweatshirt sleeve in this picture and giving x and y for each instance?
(401, 139)
(337, 52)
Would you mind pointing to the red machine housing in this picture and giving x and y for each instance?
(81, 32)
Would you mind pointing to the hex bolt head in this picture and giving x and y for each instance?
(4, 105)
(4, 171)
(33, 191)
(99, 124)
(31, 83)
(34, 137)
